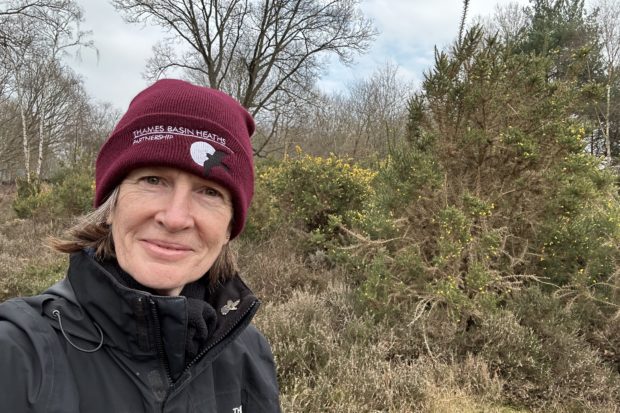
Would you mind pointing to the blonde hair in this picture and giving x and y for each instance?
(93, 231)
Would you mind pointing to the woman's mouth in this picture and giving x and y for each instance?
(165, 249)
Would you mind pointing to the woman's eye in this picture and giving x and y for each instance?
(152, 180)
(212, 192)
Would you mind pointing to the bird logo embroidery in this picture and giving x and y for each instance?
(214, 160)
(207, 156)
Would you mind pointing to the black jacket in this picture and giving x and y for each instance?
(50, 361)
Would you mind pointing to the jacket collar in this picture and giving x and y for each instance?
(141, 323)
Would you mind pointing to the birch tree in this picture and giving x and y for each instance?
(33, 37)
(608, 19)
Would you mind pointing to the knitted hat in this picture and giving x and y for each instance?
(176, 124)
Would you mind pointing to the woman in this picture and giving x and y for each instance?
(152, 316)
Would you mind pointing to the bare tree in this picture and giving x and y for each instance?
(608, 19)
(367, 119)
(52, 14)
(60, 99)
(508, 21)
(34, 36)
(378, 105)
(263, 52)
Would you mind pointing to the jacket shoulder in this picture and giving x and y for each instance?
(260, 379)
(32, 362)
(254, 339)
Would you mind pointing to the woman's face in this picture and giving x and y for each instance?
(169, 226)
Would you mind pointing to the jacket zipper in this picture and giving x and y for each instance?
(160, 350)
(222, 337)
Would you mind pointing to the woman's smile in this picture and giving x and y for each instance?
(166, 250)
(169, 226)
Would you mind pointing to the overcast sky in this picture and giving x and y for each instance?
(409, 29)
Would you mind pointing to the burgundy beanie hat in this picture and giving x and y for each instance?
(194, 128)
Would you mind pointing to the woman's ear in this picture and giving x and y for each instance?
(229, 231)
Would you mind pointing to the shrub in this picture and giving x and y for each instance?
(487, 204)
(411, 175)
(275, 269)
(70, 192)
(580, 232)
(325, 200)
(311, 189)
(536, 346)
(33, 279)
(330, 359)
(73, 190)
(31, 197)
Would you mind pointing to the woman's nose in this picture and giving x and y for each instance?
(175, 213)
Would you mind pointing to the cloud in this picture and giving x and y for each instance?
(409, 31)
(123, 51)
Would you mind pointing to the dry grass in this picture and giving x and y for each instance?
(276, 271)
(27, 266)
(334, 361)
(331, 355)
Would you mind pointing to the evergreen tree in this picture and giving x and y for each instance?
(564, 31)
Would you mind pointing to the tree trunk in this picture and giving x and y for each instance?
(40, 160)
(607, 139)
(25, 142)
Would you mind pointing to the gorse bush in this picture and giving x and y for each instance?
(311, 190)
(580, 230)
(317, 196)
(489, 232)
(70, 192)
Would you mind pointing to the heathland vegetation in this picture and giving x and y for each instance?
(458, 252)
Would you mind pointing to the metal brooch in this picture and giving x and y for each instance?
(229, 306)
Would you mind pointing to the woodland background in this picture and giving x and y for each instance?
(447, 247)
